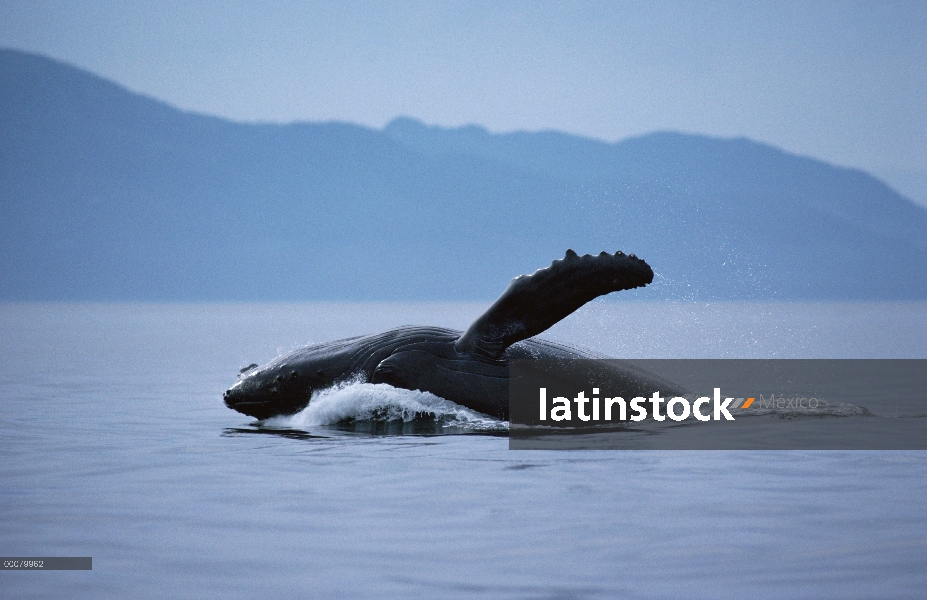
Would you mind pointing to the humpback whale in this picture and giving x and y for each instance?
(470, 367)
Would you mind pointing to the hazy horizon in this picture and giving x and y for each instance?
(843, 82)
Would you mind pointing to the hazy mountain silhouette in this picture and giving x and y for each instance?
(107, 194)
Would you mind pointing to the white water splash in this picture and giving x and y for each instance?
(381, 402)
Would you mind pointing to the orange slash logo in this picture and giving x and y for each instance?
(742, 402)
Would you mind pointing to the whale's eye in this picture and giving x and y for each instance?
(294, 375)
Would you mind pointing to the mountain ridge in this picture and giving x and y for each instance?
(111, 195)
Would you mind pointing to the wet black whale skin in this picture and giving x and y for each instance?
(469, 368)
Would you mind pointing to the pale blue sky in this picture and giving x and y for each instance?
(842, 81)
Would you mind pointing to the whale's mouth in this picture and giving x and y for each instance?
(262, 408)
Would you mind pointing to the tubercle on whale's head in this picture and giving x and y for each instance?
(276, 389)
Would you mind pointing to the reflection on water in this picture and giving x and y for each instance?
(424, 426)
(290, 434)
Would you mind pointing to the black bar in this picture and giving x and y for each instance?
(47, 563)
(774, 404)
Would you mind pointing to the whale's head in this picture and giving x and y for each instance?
(278, 388)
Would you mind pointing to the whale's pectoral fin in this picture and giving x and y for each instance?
(480, 385)
(533, 303)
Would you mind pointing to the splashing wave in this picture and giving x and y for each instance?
(357, 401)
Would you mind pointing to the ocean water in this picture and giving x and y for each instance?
(115, 444)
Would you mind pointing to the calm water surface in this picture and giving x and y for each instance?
(115, 444)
